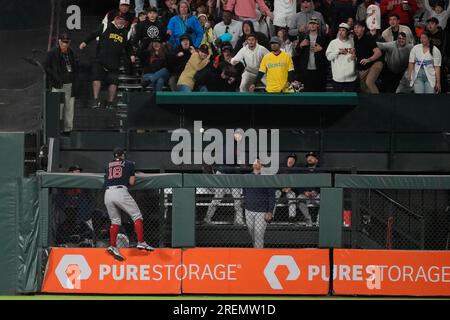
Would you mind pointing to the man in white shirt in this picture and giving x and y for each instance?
(391, 33)
(341, 53)
(250, 56)
(230, 26)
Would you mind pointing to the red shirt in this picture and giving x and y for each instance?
(405, 16)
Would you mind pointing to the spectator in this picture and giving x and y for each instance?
(340, 52)
(208, 32)
(424, 66)
(178, 60)
(287, 45)
(283, 10)
(351, 24)
(221, 75)
(198, 60)
(110, 48)
(278, 68)
(438, 12)
(247, 28)
(139, 5)
(61, 67)
(149, 30)
(368, 59)
(361, 13)
(289, 193)
(228, 26)
(437, 37)
(310, 196)
(395, 28)
(259, 205)
(250, 56)
(184, 23)
(142, 16)
(312, 60)
(155, 66)
(246, 10)
(299, 22)
(405, 9)
(168, 11)
(76, 207)
(396, 58)
(123, 11)
(235, 156)
(373, 20)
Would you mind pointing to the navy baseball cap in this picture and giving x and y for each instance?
(312, 154)
(118, 152)
(74, 167)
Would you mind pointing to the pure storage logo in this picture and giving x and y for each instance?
(71, 270)
(281, 261)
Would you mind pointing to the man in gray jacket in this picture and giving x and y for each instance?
(396, 58)
(299, 21)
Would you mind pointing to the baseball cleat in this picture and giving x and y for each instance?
(115, 253)
(144, 246)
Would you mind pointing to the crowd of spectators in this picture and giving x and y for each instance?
(393, 46)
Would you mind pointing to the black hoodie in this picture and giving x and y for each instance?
(111, 45)
(146, 31)
(261, 37)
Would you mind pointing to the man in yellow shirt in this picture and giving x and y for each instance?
(278, 67)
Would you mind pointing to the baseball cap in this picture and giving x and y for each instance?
(185, 36)
(119, 16)
(433, 19)
(226, 46)
(313, 20)
(344, 25)
(275, 40)
(152, 9)
(204, 48)
(292, 155)
(74, 167)
(157, 39)
(312, 154)
(64, 37)
(126, 2)
(118, 151)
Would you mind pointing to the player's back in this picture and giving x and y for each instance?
(118, 173)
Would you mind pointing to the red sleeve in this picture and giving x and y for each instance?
(383, 6)
(413, 5)
(230, 5)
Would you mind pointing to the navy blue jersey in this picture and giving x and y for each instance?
(118, 173)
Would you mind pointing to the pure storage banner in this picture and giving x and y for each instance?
(256, 271)
(383, 272)
(95, 271)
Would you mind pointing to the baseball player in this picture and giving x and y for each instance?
(118, 176)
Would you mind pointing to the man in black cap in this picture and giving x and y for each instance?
(119, 175)
(113, 42)
(309, 196)
(61, 67)
(178, 59)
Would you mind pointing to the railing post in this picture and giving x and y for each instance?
(183, 217)
(331, 208)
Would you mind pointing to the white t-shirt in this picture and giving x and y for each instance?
(312, 57)
(427, 61)
(235, 29)
(251, 59)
